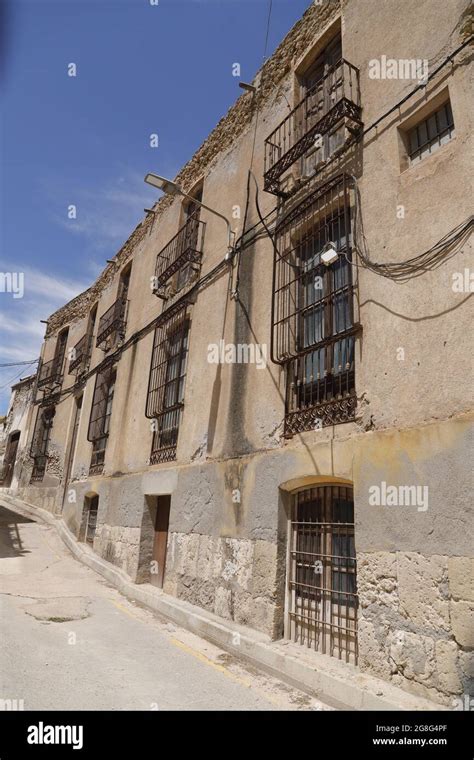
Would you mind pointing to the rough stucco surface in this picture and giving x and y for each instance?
(19, 414)
(229, 555)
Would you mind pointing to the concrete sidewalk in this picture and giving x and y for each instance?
(335, 683)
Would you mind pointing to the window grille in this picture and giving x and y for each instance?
(431, 133)
(101, 411)
(313, 326)
(165, 399)
(40, 441)
(322, 571)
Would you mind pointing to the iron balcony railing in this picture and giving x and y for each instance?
(112, 320)
(82, 354)
(184, 248)
(333, 98)
(49, 373)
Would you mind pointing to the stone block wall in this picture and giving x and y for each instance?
(119, 546)
(416, 622)
(233, 578)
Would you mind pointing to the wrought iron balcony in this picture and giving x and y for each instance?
(184, 248)
(50, 374)
(113, 320)
(82, 354)
(334, 98)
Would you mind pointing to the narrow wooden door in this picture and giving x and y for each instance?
(161, 540)
(9, 459)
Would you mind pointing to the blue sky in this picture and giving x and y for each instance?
(84, 140)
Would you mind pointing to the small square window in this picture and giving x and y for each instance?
(427, 136)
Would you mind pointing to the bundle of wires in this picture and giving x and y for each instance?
(402, 271)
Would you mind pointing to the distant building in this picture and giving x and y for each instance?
(14, 432)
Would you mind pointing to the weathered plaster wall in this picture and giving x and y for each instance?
(413, 571)
(228, 556)
(18, 419)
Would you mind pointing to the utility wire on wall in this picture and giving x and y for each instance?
(400, 271)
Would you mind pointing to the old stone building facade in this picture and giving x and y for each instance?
(280, 434)
(14, 452)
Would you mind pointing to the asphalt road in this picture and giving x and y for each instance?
(70, 641)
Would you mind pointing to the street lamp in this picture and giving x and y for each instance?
(171, 188)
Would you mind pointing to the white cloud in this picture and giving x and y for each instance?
(106, 215)
(21, 330)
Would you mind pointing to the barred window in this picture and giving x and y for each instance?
(431, 133)
(40, 441)
(165, 398)
(323, 571)
(313, 329)
(101, 412)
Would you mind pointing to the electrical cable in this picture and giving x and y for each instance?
(393, 270)
(17, 364)
(235, 291)
(11, 380)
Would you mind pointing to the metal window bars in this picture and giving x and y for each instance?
(431, 133)
(322, 577)
(165, 397)
(81, 354)
(40, 441)
(101, 410)
(49, 374)
(332, 101)
(313, 326)
(113, 320)
(184, 250)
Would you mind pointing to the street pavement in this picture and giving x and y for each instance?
(70, 641)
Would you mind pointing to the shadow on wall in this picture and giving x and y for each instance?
(10, 539)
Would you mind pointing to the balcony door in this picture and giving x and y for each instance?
(192, 212)
(320, 89)
(60, 352)
(190, 242)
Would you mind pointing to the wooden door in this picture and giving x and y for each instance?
(161, 540)
(9, 460)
